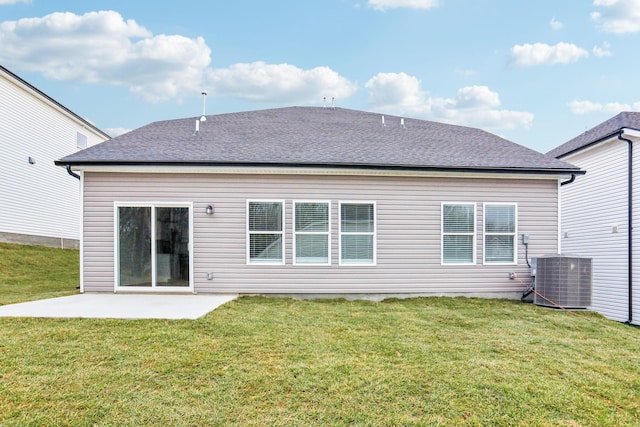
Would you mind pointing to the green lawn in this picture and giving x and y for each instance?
(35, 272)
(281, 362)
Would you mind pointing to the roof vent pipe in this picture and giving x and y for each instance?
(333, 102)
(383, 125)
(203, 118)
(324, 101)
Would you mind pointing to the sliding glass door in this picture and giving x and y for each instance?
(153, 246)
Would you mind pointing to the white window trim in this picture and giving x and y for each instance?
(442, 234)
(325, 233)
(249, 233)
(116, 242)
(374, 233)
(514, 234)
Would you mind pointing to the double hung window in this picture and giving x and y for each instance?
(311, 232)
(265, 232)
(357, 233)
(500, 231)
(458, 233)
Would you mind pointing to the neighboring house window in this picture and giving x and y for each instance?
(357, 233)
(265, 232)
(458, 233)
(500, 231)
(311, 232)
(81, 140)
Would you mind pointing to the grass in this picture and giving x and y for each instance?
(35, 272)
(282, 362)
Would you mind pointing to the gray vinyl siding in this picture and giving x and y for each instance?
(591, 207)
(38, 199)
(408, 230)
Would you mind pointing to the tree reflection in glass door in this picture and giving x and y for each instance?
(172, 246)
(134, 249)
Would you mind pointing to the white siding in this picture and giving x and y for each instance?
(592, 207)
(408, 230)
(38, 199)
(636, 236)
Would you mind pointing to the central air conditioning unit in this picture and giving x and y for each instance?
(564, 281)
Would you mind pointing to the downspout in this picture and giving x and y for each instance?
(75, 175)
(570, 180)
(70, 172)
(629, 222)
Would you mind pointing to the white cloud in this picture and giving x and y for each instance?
(527, 55)
(586, 107)
(281, 83)
(395, 91)
(402, 94)
(555, 24)
(3, 2)
(397, 4)
(617, 16)
(101, 47)
(602, 51)
(464, 72)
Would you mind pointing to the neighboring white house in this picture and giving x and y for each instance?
(39, 202)
(600, 210)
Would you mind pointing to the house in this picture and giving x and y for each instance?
(39, 204)
(601, 209)
(312, 200)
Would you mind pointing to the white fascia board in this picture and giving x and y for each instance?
(631, 134)
(244, 170)
(610, 140)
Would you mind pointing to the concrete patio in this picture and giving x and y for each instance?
(119, 306)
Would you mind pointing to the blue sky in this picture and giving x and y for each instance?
(536, 72)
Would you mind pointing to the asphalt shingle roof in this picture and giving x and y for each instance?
(316, 136)
(604, 130)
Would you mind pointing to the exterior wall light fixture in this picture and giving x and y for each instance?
(209, 210)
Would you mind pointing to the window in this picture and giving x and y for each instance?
(500, 230)
(153, 245)
(81, 140)
(458, 233)
(265, 232)
(357, 233)
(311, 233)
